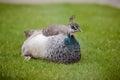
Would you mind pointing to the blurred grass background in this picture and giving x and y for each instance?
(100, 41)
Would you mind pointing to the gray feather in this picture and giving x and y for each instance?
(55, 30)
(59, 52)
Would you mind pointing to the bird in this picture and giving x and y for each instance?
(55, 43)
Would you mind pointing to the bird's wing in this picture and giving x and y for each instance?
(55, 30)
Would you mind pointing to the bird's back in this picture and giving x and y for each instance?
(55, 30)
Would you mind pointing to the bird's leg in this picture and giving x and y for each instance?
(27, 58)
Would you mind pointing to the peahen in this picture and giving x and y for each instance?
(55, 43)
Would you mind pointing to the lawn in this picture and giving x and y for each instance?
(99, 41)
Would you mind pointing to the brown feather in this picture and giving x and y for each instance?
(28, 33)
(55, 30)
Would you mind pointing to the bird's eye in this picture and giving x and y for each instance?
(73, 27)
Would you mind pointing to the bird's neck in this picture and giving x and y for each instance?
(70, 30)
(70, 40)
(71, 35)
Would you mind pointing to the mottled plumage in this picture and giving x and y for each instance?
(63, 49)
(58, 48)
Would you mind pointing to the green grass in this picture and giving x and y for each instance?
(100, 42)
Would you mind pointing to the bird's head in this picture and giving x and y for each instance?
(74, 27)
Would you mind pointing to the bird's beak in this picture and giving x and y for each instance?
(80, 29)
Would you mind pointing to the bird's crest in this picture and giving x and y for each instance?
(71, 19)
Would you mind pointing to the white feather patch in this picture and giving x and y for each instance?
(35, 46)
